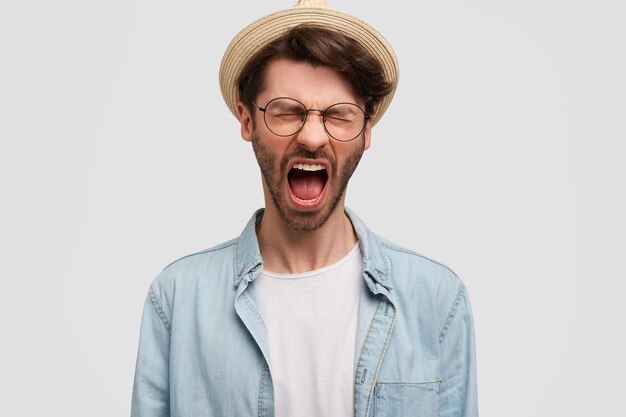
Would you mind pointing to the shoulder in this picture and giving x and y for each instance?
(187, 272)
(202, 258)
(408, 272)
(418, 277)
(418, 266)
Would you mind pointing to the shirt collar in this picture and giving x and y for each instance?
(248, 256)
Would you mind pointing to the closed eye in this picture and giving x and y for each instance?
(286, 116)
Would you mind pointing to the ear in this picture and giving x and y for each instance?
(245, 118)
(367, 133)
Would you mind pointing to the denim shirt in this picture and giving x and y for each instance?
(203, 347)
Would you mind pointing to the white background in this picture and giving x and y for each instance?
(501, 155)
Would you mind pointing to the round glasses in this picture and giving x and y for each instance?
(285, 116)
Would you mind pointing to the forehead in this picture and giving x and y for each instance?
(312, 85)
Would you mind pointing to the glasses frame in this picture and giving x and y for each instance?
(306, 116)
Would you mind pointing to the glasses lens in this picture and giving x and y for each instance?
(284, 116)
(344, 121)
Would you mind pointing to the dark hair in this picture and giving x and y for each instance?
(319, 46)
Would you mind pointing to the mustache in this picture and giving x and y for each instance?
(296, 152)
(304, 153)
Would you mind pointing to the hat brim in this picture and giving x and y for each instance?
(265, 30)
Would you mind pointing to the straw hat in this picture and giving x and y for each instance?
(263, 31)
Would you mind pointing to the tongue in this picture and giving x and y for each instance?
(306, 185)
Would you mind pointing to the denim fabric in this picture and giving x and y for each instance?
(203, 347)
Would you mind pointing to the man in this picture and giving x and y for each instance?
(307, 312)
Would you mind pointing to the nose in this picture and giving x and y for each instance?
(313, 135)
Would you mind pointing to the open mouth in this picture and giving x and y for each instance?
(307, 182)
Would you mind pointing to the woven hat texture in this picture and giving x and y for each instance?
(258, 34)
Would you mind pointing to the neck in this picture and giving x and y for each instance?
(289, 251)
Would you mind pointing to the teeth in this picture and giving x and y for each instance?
(309, 167)
(304, 201)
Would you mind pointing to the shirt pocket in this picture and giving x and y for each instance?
(406, 399)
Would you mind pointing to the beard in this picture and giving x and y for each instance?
(275, 170)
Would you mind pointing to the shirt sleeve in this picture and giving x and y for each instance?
(151, 384)
(458, 393)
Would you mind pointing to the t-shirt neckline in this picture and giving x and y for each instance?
(314, 272)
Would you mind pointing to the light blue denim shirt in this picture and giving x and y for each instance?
(203, 347)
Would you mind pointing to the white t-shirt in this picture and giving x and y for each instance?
(311, 321)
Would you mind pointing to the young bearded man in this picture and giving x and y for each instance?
(307, 312)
